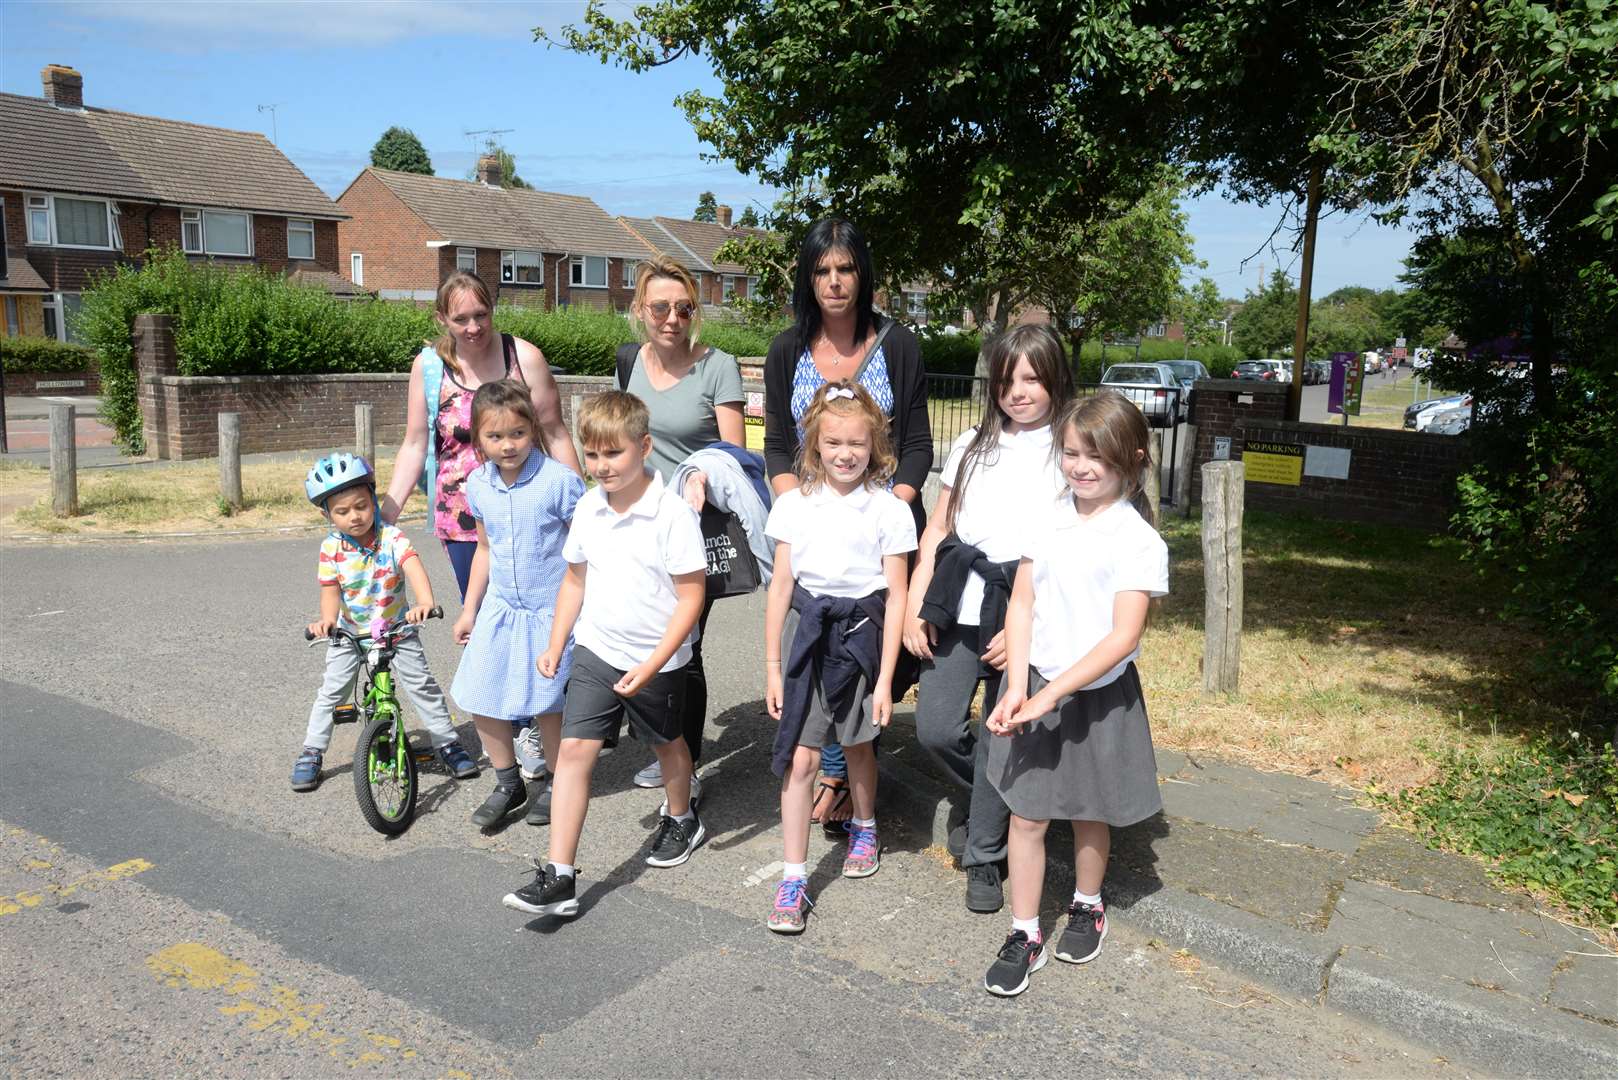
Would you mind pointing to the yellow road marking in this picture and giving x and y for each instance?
(11, 905)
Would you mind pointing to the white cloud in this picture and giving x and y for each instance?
(202, 24)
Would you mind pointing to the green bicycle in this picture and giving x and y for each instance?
(384, 760)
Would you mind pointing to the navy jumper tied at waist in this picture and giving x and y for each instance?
(840, 640)
(953, 561)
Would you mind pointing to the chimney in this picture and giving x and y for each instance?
(489, 170)
(724, 216)
(64, 87)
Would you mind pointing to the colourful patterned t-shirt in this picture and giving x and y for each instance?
(371, 579)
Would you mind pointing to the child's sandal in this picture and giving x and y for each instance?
(831, 802)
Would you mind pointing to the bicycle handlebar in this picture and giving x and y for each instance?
(338, 633)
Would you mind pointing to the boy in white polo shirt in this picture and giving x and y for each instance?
(634, 588)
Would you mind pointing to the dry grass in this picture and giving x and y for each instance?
(1364, 650)
(157, 499)
(1383, 403)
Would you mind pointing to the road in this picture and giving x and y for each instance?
(170, 907)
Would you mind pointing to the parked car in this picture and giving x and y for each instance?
(1187, 371)
(1451, 422)
(1254, 371)
(1154, 387)
(1415, 409)
(1282, 369)
(1440, 406)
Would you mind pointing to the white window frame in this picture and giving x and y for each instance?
(631, 267)
(198, 216)
(463, 255)
(51, 311)
(752, 286)
(509, 266)
(356, 267)
(915, 303)
(13, 317)
(580, 274)
(301, 226)
(41, 205)
(727, 287)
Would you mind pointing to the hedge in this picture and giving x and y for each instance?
(45, 355)
(250, 322)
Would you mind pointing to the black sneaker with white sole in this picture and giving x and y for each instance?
(675, 840)
(549, 893)
(1018, 959)
(1086, 930)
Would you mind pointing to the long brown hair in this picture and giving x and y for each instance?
(1113, 428)
(1039, 345)
(461, 280)
(811, 471)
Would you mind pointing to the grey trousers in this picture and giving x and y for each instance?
(943, 701)
(411, 675)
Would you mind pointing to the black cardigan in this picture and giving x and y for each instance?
(909, 425)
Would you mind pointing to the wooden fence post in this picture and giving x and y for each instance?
(1187, 449)
(1223, 486)
(1154, 471)
(64, 462)
(364, 433)
(575, 401)
(230, 459)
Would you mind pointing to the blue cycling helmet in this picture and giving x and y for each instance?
(337, 472)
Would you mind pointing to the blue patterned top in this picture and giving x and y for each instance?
(807, 379)
(526, 524)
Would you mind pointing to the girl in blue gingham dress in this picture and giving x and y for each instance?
(522, 502)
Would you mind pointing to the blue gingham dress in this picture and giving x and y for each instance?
(526, 524)
(807, 379)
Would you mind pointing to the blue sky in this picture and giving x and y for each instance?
(339, 73)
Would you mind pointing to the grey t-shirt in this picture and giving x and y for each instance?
(683, 419)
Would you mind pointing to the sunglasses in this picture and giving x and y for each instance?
(660, 310)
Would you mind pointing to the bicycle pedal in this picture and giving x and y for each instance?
(345, 714)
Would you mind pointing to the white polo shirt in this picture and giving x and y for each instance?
(838, 541)
(1079, 567)
(631, 561)
(1012, 480)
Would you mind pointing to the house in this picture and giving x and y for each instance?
(406, 232)
(85, 189)
(695, 245)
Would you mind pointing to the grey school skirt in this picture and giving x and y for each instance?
(1089, 759)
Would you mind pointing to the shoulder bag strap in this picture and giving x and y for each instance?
(627, 355)
(509, 344)
(432, 386)
(875, 345)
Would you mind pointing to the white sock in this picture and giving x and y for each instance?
(562, 869)
(689, 815)
(1086, 898)
(863, 823)
(1027, 926)
(799, 870)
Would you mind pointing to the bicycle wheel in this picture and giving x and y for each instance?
(385, 775)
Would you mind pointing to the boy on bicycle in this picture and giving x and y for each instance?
(363, 570)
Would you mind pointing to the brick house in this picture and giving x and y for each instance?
(406, 232)
(86, 189)
(695, 245)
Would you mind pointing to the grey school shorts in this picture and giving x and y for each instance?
(594, 711)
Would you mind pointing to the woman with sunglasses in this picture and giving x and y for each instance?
(694, 394)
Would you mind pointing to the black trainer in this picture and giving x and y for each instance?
(500, 804)
(539, 811)
(1086, 930)
(984, 894)
(1018, 959)
(675, 840)
(549, 893)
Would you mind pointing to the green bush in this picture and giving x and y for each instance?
(1543, 815)
(950, 354)
(45, 355)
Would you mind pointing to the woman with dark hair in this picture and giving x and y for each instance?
(840, 335)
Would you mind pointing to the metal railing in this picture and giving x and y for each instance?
(956, 403)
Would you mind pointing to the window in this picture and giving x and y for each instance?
(1158, 329)
(916, 304)
(13, 327)
(522, 267)
(590, 271)
(216, 232)
(70, 316)
(727, 288)
(356, 268)
(300, 238)
(39, 219)
(752, 285)
(631, 267)
(466, 259)
(52, 316)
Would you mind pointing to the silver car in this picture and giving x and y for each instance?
(1154, 387)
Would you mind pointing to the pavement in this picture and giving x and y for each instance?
(1313, 915)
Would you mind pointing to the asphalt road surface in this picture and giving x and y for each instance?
(168, 906)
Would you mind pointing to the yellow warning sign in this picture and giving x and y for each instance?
(1273, 463)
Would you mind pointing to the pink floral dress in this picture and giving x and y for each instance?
(457, 457)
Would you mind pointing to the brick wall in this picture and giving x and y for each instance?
(27, 382)
(1394, 477)
(392, 240)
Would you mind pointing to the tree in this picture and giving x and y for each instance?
(707, 208)
(399, 149)
(749, 218)
(1264, 326)
(508, 169)
(1200, 310)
